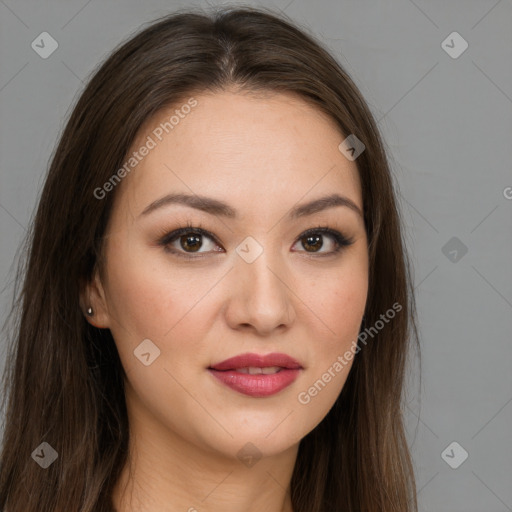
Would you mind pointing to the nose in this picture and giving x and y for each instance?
(260, 297)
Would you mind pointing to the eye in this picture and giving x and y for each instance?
(187, 241)
(313, 240)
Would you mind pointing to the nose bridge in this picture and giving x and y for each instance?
(261, 296)
(265, 277)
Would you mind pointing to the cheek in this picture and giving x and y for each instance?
(337, 307)
(140, 299)
(152, 298)
(339, 302)
(340, 310)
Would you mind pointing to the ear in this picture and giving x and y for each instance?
(92, 295)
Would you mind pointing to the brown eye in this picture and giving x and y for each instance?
(192, 242)
(313, 241)
(189, 240)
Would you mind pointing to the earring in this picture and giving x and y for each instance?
(90, 312)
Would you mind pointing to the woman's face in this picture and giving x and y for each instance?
(250, 282)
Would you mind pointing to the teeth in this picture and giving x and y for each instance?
(252, 370)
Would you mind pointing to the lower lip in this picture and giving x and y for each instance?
(258, 385)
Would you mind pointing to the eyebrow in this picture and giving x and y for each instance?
(219, 208)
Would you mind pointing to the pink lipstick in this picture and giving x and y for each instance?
(257, 375)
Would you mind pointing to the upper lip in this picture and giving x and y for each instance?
(257, 361)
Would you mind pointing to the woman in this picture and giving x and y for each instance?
(264, 372)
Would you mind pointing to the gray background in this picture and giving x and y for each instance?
(448, 124)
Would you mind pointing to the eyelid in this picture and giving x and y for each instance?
(342, 241)
(167, 237)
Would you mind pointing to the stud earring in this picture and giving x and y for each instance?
(90, 312)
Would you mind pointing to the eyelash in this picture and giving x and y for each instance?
(168, 237)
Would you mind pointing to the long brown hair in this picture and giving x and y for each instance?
(63, 377)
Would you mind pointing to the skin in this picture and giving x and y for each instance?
(262, 155)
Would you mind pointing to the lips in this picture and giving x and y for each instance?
(257, 361)
(257, 375)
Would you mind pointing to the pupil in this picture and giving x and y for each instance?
(317, 238)
(193, 242)
(194, 245)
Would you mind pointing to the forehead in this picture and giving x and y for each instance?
(255, 152)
